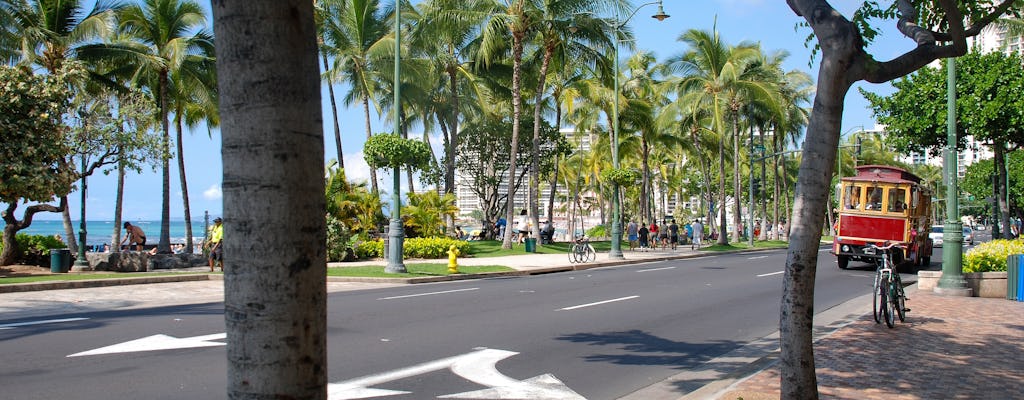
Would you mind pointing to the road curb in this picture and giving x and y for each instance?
(94, 283)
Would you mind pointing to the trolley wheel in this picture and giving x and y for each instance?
(844, 262)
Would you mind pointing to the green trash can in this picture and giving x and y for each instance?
(60, 260)
(531, 245)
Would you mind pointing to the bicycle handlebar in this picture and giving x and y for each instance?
(889, 246)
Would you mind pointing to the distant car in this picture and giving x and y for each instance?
(936, 235)
(968, 236)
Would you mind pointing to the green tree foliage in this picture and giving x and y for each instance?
(427, 212)
(392, 151)
(977, 182)
(988, 101)
(33, 146)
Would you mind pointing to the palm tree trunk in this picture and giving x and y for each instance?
(164, 245)
(737, 192)
(369, 133)
(645, 183)
(334, 111)
(115, 238)
(517, 61)
(273, 147)
(535, 158)
(69, 229)
(453, 143)
(184, 185)
(722, 237)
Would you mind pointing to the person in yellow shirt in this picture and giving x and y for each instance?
(216, 236)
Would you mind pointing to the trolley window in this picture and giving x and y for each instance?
(897, 200)
(874, 198)
(851, 197)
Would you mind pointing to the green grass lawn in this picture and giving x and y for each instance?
(415, 270)
(767, 244)
(76, 277)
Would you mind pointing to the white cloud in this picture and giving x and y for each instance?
(213, 193)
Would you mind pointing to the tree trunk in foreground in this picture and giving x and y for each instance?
(843, 62)
(274, 229)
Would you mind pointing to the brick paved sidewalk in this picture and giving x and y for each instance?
(949, 348)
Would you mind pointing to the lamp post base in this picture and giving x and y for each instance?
(952, 292)
(396, 235)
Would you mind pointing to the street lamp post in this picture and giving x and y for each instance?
(616, 251)
(396, 235)
(81, 263)
(952, 282)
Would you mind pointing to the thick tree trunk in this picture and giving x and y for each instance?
(274, 230)
(11, 227)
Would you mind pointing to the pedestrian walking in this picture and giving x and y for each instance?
(673, 236)
(663, 234)
(216, 250)
(643, 233)
(698, 234)
(632, 232)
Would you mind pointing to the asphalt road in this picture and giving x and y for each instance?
(595, 334)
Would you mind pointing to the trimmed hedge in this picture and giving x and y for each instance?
(991, 256)
(435, 247)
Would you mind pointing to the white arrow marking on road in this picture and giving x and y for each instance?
(756, 258)
(157, 342)
(770, 274)
(48, 321)
(543, 387)
(478, 366)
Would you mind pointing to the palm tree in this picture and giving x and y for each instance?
(357, 44)
(169, 31)
(47, 33)
(194, 98)
(712, 75)
(428, 212)
(273, 172)
(326, 12)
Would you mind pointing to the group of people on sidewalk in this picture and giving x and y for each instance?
(667, 235)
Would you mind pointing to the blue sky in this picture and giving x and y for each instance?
(769, 22)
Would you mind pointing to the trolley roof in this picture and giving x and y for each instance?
(883, 173)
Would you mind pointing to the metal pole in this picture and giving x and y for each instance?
(81, 263)
(952, 282)
(395, 232)
(750, 212)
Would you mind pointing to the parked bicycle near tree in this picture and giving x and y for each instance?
(888, 296)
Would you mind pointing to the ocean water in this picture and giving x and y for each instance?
(100, 232)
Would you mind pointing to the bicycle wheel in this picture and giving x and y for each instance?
(901, 309)
(573, 256)
(589, 254)
(877, 298)
(888, 309)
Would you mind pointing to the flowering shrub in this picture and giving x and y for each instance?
(434, 247)
(991, 256)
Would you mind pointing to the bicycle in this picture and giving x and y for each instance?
(581, 251)
(888, 297)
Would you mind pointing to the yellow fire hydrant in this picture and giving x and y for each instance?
(453, 264)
